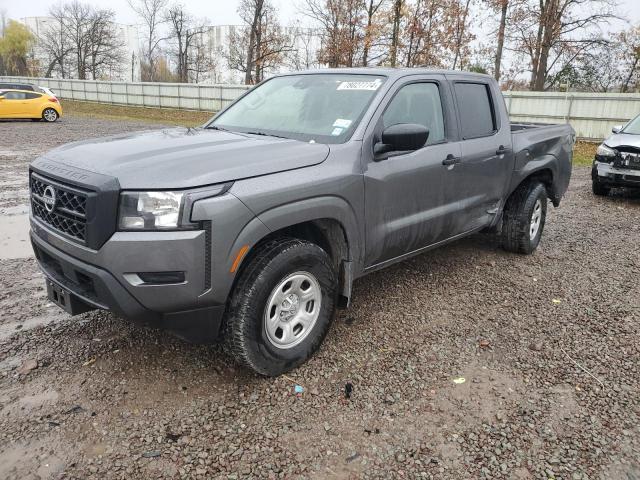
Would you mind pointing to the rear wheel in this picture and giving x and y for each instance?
(281, 308)
(599, 189)
(524, 218)
(49, 115)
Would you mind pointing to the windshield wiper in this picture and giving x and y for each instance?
(216, 127)
(264, 134)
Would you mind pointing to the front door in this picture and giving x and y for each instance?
(13, 105)
(406, 199)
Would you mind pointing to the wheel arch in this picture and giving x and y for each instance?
(328, 222)
(543, 169)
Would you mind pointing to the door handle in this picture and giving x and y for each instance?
(451, 160)
(501, 150)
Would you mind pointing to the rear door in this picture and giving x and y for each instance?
(486, 165)
(406, 202)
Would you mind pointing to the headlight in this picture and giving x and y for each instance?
(604, 151)
(150, 210)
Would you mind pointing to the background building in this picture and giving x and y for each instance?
(128, 66)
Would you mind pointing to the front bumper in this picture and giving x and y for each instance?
(609, 174)
(180, 308)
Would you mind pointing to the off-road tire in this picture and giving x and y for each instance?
(599, 189)
(244, 335)
(50, 115)
(517, 218)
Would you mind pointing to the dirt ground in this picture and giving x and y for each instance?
(548, 346)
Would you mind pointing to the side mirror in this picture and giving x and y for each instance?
(401, 137)
(617, 129)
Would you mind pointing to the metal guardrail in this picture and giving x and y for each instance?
(591, 114)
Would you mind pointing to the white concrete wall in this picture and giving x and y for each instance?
(188, 96)
(591, 114)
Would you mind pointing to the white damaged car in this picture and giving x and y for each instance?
(617, 160)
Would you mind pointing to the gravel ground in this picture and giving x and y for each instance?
(549, 346)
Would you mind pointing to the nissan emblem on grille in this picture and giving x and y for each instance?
(49, 198)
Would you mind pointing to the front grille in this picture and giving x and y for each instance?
(629, 157)
(67, 214)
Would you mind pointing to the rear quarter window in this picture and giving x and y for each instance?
(31, 96)
(477, 114)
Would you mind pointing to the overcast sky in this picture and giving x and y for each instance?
(218, 12)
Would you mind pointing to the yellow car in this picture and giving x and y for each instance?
(27, 104)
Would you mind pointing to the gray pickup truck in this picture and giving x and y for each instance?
(254, 227)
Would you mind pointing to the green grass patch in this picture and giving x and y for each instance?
(583, 153)
(165, 116)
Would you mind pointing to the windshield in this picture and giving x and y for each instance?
(324, 108)
(633, 127)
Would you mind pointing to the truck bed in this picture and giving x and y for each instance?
(528, 136)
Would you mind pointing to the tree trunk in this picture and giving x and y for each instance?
(545, 48)
(460, 34)
(535, 60)
(501, 29)
(251, 48)
(367, 35)
(625, 85)
(397, 12)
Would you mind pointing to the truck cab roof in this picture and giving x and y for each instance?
(390, 72)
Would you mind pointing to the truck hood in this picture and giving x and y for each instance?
(623, 139)
(183, 157)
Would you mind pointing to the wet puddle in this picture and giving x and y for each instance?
(14, 237)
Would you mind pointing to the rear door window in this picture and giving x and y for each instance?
(477, 116)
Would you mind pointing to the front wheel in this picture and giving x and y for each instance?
(281, 308)
(524, 217)
(50, 115)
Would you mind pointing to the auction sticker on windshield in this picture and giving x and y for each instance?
(374, 85)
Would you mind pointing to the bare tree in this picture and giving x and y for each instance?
(261, 45)
(502, 7)
(54, 42)
(459, 13)
(151, 12)
(105, 49)
(427, 34)
(342, 27)
(373, 28)
(251, 13)
(303, 52)
(184, 32)
(82, 39)
(202, 59)
(395, 32)
(554, 33)
(629, 57)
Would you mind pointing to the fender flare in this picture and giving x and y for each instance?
(314, 209)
